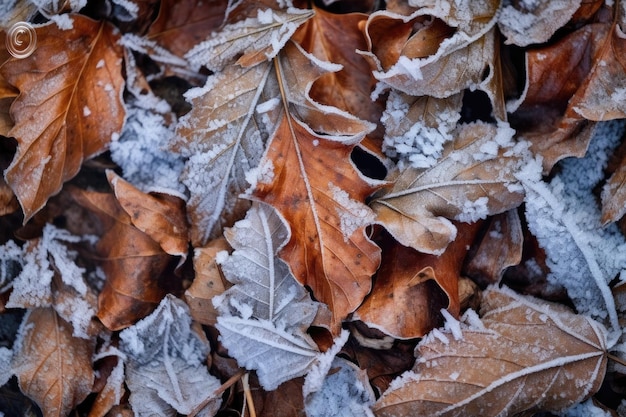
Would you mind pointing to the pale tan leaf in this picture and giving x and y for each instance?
(251, 41)
(53, 367)
(207, 283)
(69, 107)
(525, 23)
(614, 195)
(223, 137)
(527, 356)
(474, 178)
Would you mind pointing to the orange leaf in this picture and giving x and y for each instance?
(131, 260)
(182, 24)
(160, 216)
(69, 107)
(53, 367)
(422, 284)
(336, 38)
(319, 192)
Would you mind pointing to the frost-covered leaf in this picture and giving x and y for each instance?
(614, 195)
(223, 137)
(307, 175)
(416, 128)
(53, 367)
(69, 107)
(525, 355)
(264, 316)
(474, 178)
(182, 24)
(345, 392)
(165, 363)
(582, 255)
(49, 277)
(250, 41)
(525, 23)
(439, 50)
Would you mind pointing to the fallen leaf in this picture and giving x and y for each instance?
(207, 283)
(499, 247)
(437, 51)
(110, 394)
(165, 363)
(160, 216)
(345, 391)
(53, 367)
(336, 38)
(132, 262)
(474, 178)
(251, 41)
(180, 25)
(417, 128)
(614, 194)
(264, 316)
(527, 356)
(224, 136)
(423, 284)
(566, 91)
(328, 249)
(57, 123)
(524, 24)
(284, 401)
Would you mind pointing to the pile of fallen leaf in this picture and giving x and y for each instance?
(287, 208)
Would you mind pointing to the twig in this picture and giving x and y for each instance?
(248, 394)
(232, 380)
(616, 359)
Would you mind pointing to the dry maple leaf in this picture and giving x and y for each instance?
(474, 178)
(307, 175)
(526, 355)
(53, 367)
(69, 108)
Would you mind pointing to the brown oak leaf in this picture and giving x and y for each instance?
(69, 107)
(180, 25)
(53, 367)
(527, 355)
(306, 174)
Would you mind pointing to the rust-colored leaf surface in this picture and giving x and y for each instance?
(423, 284)
(132, 262)
(160, 216)
(69, 107)
(180, 25)
(527, 356)
(336, 38)
(499, 247)
(319, 192)
(207, 283)
(53, 367)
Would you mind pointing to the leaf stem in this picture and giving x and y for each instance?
(248, 394)
(231, 381)
(616, 359)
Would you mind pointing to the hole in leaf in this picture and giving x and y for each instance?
(368, 164)
(476, 106)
